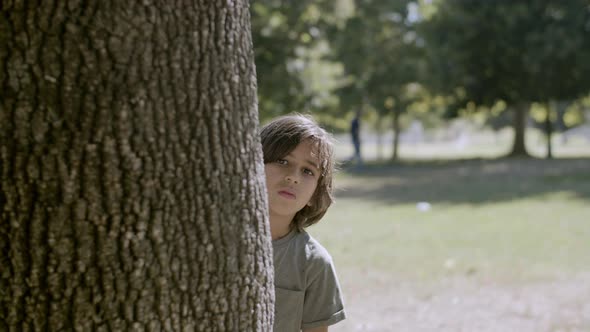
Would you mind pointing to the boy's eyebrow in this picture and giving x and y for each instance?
(308, 161)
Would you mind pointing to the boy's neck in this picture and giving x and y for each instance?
(279, 226)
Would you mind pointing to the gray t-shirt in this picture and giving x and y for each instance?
(306, 287)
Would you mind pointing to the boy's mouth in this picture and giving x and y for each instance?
(287, 194)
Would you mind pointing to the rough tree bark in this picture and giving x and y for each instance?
(131, 189)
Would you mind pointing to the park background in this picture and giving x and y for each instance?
(132, 191)
(469, 211)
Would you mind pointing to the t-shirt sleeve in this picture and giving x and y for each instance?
(323, 305)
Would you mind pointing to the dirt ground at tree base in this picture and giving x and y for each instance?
(462, 304)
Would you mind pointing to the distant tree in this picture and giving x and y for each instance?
(514, 51)
(282, 32)
(131, 178)
(379, 50)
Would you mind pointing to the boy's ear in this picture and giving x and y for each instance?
(309, 203)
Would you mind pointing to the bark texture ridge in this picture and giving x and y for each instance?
(131, 178)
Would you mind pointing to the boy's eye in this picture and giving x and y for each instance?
(308, 171)
(281, 162)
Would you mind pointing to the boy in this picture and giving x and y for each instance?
(299, 162)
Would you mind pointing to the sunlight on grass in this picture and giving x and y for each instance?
(536, 236)
(489, 243)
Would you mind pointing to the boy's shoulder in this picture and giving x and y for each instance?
(306, 247)
(298, 260)
(315, 253)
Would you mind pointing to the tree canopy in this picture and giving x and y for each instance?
(510, 51)
(479, 53)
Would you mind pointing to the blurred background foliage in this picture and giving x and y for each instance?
(437, 242)
(432, 61)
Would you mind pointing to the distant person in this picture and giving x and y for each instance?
(356, 139)
(299, 163)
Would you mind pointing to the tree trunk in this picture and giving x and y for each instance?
(549, 128)
(396, 134)
(379, 127)
(519, 125)
(131, 187)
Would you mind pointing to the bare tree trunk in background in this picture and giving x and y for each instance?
(396, 134)
(520, 112)
(549, 127)
(379, 128)
(131, 189)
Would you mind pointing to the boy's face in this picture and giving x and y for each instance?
(292, 180)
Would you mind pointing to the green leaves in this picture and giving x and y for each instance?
(379, 50)
(283, 31)
(513, 51)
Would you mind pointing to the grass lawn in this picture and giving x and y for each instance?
(475, 245)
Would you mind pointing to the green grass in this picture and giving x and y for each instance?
(505, 220)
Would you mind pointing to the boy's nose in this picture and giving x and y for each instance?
(292, 178)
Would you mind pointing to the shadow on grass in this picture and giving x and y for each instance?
(474, 181)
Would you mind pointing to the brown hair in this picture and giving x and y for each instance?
(280, 137)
